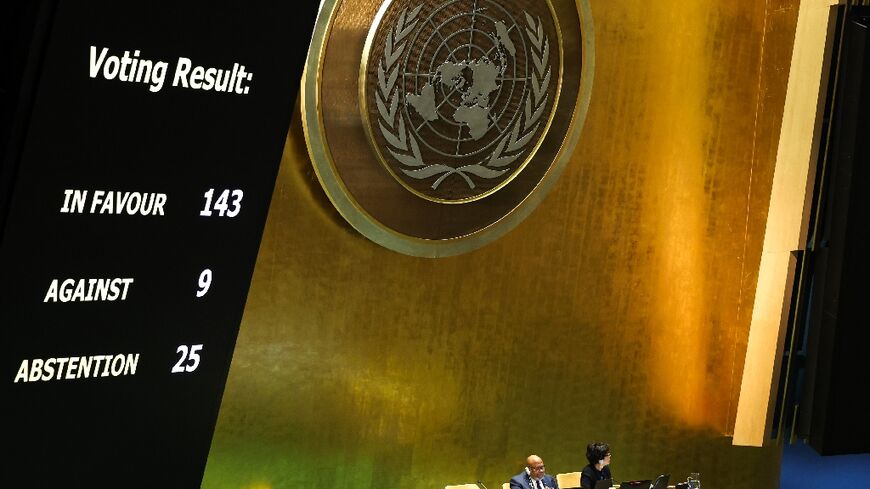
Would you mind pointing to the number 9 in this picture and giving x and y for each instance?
(204, 282)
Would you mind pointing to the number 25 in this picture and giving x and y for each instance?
(189, 358)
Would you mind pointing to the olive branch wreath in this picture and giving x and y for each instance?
(404, 145)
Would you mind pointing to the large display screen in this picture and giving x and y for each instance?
(136, 211)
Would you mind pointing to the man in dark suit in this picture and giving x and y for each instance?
(534, 477)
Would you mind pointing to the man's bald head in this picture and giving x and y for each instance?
(536, 466)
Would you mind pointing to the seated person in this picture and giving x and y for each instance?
(598, 455)
(534, 476)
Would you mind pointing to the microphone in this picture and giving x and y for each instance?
(480, 484)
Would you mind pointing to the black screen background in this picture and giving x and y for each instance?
(152, 429)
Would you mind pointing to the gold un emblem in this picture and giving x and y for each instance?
(439, 125)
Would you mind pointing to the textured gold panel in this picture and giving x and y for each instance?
(617, 311)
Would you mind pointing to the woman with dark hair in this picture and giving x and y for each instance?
(598, 455)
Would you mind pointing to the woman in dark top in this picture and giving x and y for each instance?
(598, 455)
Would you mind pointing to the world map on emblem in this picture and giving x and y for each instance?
(458, 94)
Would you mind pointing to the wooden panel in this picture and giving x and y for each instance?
(786, 222)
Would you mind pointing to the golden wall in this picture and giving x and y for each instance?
(617, 311)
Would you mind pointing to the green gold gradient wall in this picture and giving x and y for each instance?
(618, 310)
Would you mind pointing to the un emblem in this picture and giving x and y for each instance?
(470, 102)
(458, 94)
